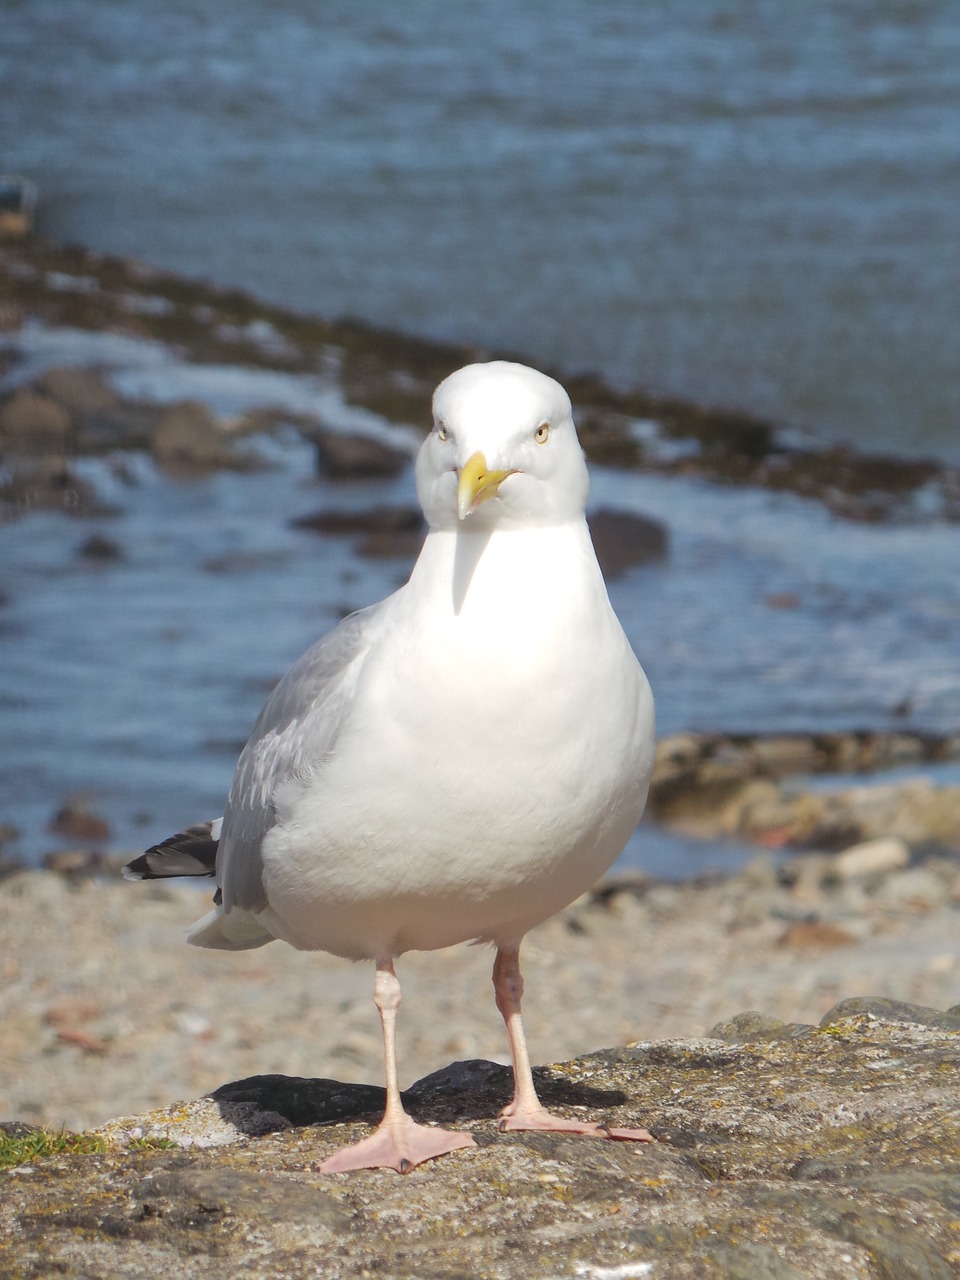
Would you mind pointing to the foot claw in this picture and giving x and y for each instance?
(628, 1135)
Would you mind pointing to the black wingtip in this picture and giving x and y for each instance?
(138, 869)
(192, 852)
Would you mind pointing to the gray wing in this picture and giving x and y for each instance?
(297, 728)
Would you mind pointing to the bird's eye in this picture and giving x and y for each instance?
(542, 433)
(442, 433)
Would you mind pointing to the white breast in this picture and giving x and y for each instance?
(494, 764)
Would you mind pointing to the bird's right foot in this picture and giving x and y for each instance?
(518, 1119)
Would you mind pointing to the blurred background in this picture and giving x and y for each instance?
(734, 202)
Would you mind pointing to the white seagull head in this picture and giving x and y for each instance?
(503, 451)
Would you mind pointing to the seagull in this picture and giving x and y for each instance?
(454, 764)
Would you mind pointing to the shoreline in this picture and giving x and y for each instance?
(393, 374)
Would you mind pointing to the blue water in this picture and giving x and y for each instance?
(750, 203)
(134, 682)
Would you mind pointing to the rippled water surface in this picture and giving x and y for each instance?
(135, 681)
(748, 203)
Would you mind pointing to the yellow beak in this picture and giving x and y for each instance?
(477, 483)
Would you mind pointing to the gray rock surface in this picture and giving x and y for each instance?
(810, 1153)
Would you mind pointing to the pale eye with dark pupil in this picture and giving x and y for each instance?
(441, 431)
(542, 433)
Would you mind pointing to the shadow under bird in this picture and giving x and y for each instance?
(454, 764)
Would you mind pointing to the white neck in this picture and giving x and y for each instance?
(521, 572)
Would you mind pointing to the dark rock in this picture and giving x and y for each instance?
(385, 531)
(33, 423)
(456, 1088)
(188, 441)
(782, 600)
(473, 1087)
(622, 540)
(344, 456)
(8, 833)
(245, 561)
(128, 425)
(383, 520)
(47, 483)
(99, 547)
(79, 390)
(74, 821)
(298, 1100)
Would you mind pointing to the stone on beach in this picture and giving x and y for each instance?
(188, 440)
(78, 389)
(728, 792)
(47, 482)
(345, 455)
(187, 437)
(871, 857)
(382, 531)
(75, 820)
(623, 539)
(33, 422)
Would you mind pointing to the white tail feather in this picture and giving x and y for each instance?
(238, 931)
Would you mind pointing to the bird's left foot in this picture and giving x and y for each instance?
(397, 1144)
(513, 1119)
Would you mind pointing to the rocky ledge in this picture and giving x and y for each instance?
(783, 1152)
(390, 373)
(755, 787)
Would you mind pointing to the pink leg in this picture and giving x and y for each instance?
(526, 1110)
(398, 1142)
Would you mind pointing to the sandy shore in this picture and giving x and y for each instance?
(104, 1011)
